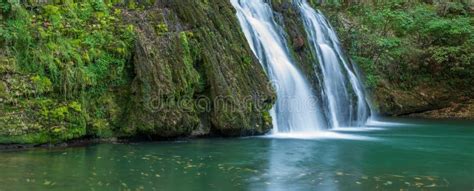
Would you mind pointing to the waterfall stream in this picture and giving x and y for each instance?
(297, 108)
(344, 93)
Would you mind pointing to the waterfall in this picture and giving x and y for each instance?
(344, 93)
(296, 108)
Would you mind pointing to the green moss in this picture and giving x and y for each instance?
(202, 55)
(69, 56)
(42, 84)
(192, 75)
(7, 65)
(132, 5)
(33, 138)
(36, 121)
(267, 118)
(161, 29)
(78, 45)
(229, 66)
(100, 128)
(3, 90)
(60, 121)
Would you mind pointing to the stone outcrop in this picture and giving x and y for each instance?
(195, 72)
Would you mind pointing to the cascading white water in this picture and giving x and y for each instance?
(339, 80)
(296, 108)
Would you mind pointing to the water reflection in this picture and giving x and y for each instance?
(305, 164)
(423, 157)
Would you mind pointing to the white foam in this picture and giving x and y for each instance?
(319, 135)
(357, 129)
(378, 123)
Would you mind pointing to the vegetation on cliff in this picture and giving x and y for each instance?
(62, 66)
(416, 56)
(112, 69)
(209, 81)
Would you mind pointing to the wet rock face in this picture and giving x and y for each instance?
(195, 73)
(164, 75)
(423, 101)
(298, 43)
(460, 110)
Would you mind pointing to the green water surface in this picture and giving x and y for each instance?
(405, 155)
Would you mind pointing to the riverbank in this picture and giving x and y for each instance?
(84, 142)
(71, 143)
(462, 110)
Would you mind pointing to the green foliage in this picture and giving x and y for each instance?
(3, 90)
(247, 60)
(5, 7)
(188, 60)
(267, 118)
(72, 54)
(367, 65)
(78, 46)
(191, 78)
(161, 29)
(42, 84)
(100, 128)
(61, 121)
(409, 42)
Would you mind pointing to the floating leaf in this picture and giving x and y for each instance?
(47, 182)
(419, 184)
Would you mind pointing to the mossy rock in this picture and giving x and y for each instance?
(3, 91)
(70, 86)
(7, 65)
(164, 76)
(203, 54)
(182, 54)
(233, 74)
